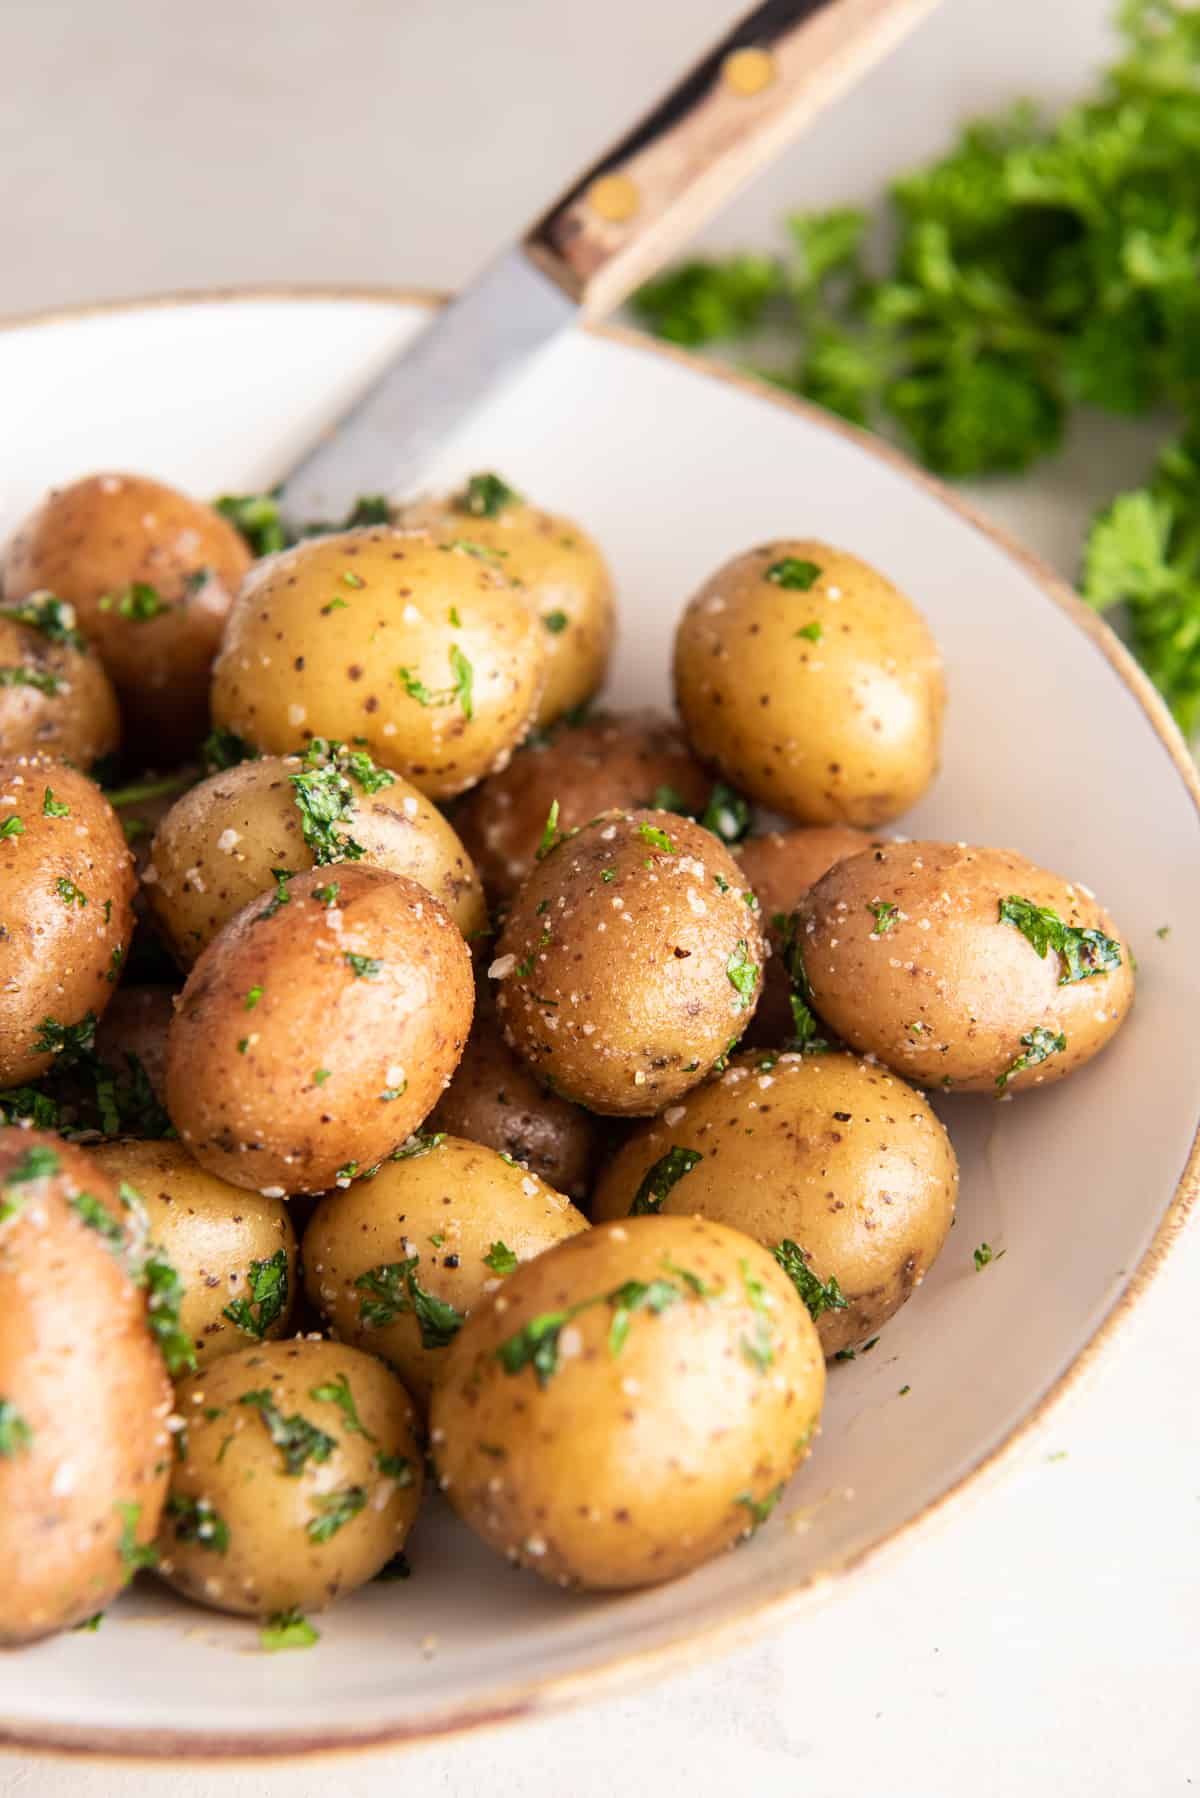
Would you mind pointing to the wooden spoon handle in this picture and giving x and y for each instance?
(731, 114)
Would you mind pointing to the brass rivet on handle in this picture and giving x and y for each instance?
(748, 71)
(614, 198)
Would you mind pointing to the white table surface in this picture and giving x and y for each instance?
(1042, 1639)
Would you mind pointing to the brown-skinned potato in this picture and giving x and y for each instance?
(326, 1028)
(257, 1528)
(360, 629)
(217, 846)
(84, 1394)
(837, 1157)
(908, 958)
(151, 574)
(812, 683)
(615, 761)
(630, 961)
(779, 867)
(234, 1251)
(560, 572)
(66, 892)
(494, 1099)
(460, 1214)
(56, 698)
(661, 1419)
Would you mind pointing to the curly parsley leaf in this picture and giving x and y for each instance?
(1084, 953)
(659, 1179)
(267, 1296)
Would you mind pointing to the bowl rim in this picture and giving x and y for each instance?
(608, 1673)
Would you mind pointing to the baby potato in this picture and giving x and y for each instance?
(812, 683)
(398, 1261)
(66, 892)
(494, 1099)
(559, 570)
(55, 698)
(151, 574)
(84, 1394)
(234, 1251)
(300, 1481)
(629, 1404)
(631, 960)
(315, 1034)
(423, 653)
(836, 1166)
(963, 968)
(779, 868)
(135, 1025)
(220, 843)
(617, 760)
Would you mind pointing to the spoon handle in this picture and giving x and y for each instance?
(725, 119)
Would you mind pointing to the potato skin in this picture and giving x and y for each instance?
(779, 867)
(844, 730)
(494, 1099)
(92, 541)
(623, 1469)
(338, 617)
(618, 966)
(70, 708)
(387, 1039)
(457, 1191)
(617, 760)
(216, 848)
(136, 1022)
(973, 984)
(211, 1233)
(562, 576)
(269, 1562)
(59, 957)
(95, 1437)
(826, 1151)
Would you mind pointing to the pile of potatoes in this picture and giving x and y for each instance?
(411, 1075)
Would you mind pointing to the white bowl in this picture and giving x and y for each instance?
(1055, 746)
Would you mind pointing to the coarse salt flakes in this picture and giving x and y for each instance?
(696, 903)
(673, 1115)
(502, 967)
(228, 840)
(297, 714)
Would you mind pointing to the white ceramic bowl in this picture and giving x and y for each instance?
(1055, 746)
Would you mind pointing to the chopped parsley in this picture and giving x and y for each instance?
(1084, 953)
(985, 1254)
(757, 1348)
(266, 1303)
(95, 1214)
(52, 807)
(69, 893)
(812, 632)
(134, 1555)
(418, 1144)
(500, 1259)
(485, 496)
(139, 602)
(325, 799)
(555, 622)
(536, 1344)
(320, 1076)
(395, 1467)
(225, 749)
(12, 827)
(550, 834)
(279, 898)
(805, 1037)
(817, 1296)
(337, 1392)
(742, 970)
(69, 1043)
(363, 967)
(335, 1510)
(164, 1299)
(287, 1629)
(252, 997)
(16, 1437)
(196, 1520)
(54, 618)
(297, 1440)
(658, 839)
(658, 1180)
(49, 684)
(885, 915)
(392, 1290)
(1039, 1044)
(461, 691)
(759, 1508)
(258, 519)
(794, 573)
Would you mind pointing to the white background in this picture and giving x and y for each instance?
(1042, 1638)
